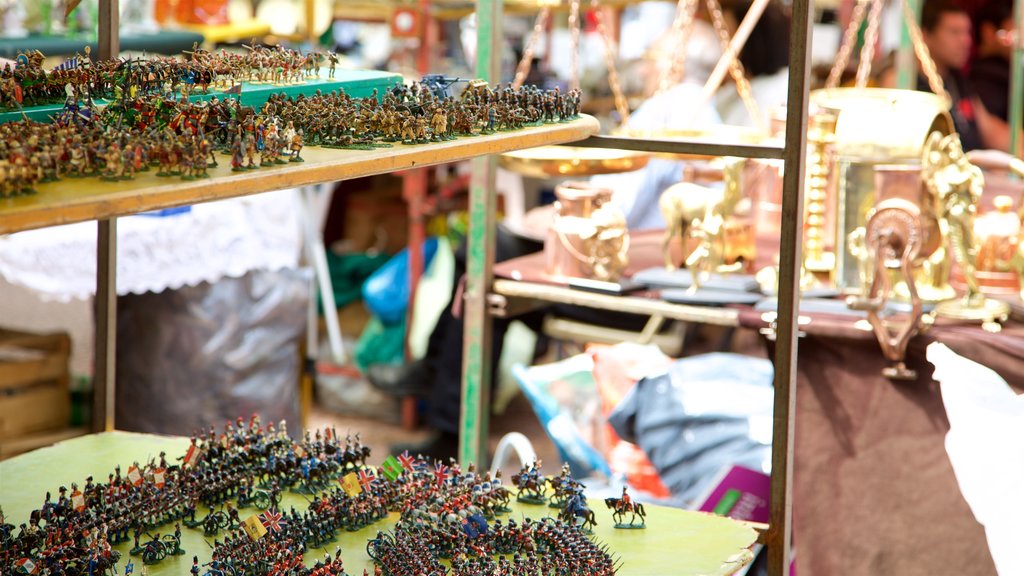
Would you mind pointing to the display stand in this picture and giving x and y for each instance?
(479, 280)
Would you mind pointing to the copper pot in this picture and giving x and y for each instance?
(587, 237)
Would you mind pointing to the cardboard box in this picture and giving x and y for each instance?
(34, 380)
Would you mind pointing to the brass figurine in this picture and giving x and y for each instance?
(956, 184)
(695, 211)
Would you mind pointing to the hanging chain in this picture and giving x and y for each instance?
(867, 52)
(921, 50)
(846, 48)
(574, 49)
(531, 46)
(739, 76)
(682, 25)
(611, 50)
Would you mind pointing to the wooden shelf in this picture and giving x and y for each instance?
(81, 199)
(627, 304)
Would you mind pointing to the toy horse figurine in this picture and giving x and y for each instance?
(695, 211)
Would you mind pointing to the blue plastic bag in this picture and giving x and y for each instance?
(386, 291)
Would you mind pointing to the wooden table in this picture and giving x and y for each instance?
(676, 542)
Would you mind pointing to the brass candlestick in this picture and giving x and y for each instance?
(820, 137)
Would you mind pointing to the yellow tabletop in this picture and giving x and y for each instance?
(675, 542)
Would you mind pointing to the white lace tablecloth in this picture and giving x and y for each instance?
(214, 240)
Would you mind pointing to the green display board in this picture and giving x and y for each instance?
(355, 83)
(676, 542)
(162, 42)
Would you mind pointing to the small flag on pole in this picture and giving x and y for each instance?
(254, 528)
(406, 460)
(366, 479)
(78, 501)
(27, 565)
(271, 520)
(440, 472)
(160, 478)
(69, 64)
(350, 484)
(391, 468)
(192, 456)
(475, 525)
(135, 476)
(300, 451)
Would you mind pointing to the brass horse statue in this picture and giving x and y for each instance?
(694, 211)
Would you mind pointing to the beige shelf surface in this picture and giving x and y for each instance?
(80, 199)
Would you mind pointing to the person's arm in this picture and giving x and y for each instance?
(995, 133)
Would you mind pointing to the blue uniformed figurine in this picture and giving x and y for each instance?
(129, 568)
(195, 566)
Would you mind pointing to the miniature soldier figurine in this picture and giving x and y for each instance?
(296, 146)
(236, 154)
(194, 571)
(332, 58)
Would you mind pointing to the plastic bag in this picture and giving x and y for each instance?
(206, 354)
(616, 371)
(564, 397)
(380, 343)
(386, 291)
(706, 412)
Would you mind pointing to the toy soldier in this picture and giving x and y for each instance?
(236, 154)
(295, 146)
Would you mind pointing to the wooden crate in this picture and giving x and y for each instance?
(33, 382)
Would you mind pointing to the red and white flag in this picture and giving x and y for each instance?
(27, 565)
(271, 520)
(78, 501)
(366, 479)
(192, 456)
(300, 451)
(406, 460)
(160, 478)
(135, 476)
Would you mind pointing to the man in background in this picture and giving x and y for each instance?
(946, 29)
(990, 72)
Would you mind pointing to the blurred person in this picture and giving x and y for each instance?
(946, 29)
(994, 32)
(765, 59)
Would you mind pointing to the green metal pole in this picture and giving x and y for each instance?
(476, 367)
(906, 63)
(1017, 81)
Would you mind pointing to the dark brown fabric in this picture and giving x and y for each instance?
(874, 492)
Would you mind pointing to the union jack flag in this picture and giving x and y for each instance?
(406, 460)
(272, 520)
(367, 479)
(440, 472)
